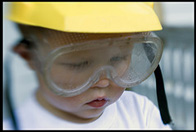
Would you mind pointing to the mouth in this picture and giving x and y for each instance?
(97, 103)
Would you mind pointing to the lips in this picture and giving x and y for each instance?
(99, 102)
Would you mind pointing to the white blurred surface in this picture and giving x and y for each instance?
(175, 14)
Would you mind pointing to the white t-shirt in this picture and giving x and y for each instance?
(131, 112)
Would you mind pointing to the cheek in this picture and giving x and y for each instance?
(119, 92)
(115, 92)
(71, 104)
(68, 79)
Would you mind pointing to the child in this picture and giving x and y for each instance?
(85, 55)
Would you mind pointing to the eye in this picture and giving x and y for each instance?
(77, 65)
(118, 59)
(80, 64)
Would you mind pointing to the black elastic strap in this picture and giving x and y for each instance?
(161, 97)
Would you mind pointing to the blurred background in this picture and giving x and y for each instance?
(177, 64)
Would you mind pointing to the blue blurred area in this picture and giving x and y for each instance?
(177, 66)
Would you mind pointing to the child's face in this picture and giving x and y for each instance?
(92, 102)
(79, 105)
(86, 75)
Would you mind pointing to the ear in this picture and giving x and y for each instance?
(22, 50)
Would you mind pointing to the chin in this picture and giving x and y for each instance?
(91, 114)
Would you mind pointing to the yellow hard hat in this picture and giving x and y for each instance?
(87, 17)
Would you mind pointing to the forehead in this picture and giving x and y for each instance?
(63, 38)
(58, 38)
(55, 37)
(47, 39)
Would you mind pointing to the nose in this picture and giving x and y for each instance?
(103, 80)
(102, 83)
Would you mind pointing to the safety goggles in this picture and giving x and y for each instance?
(127, 61)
